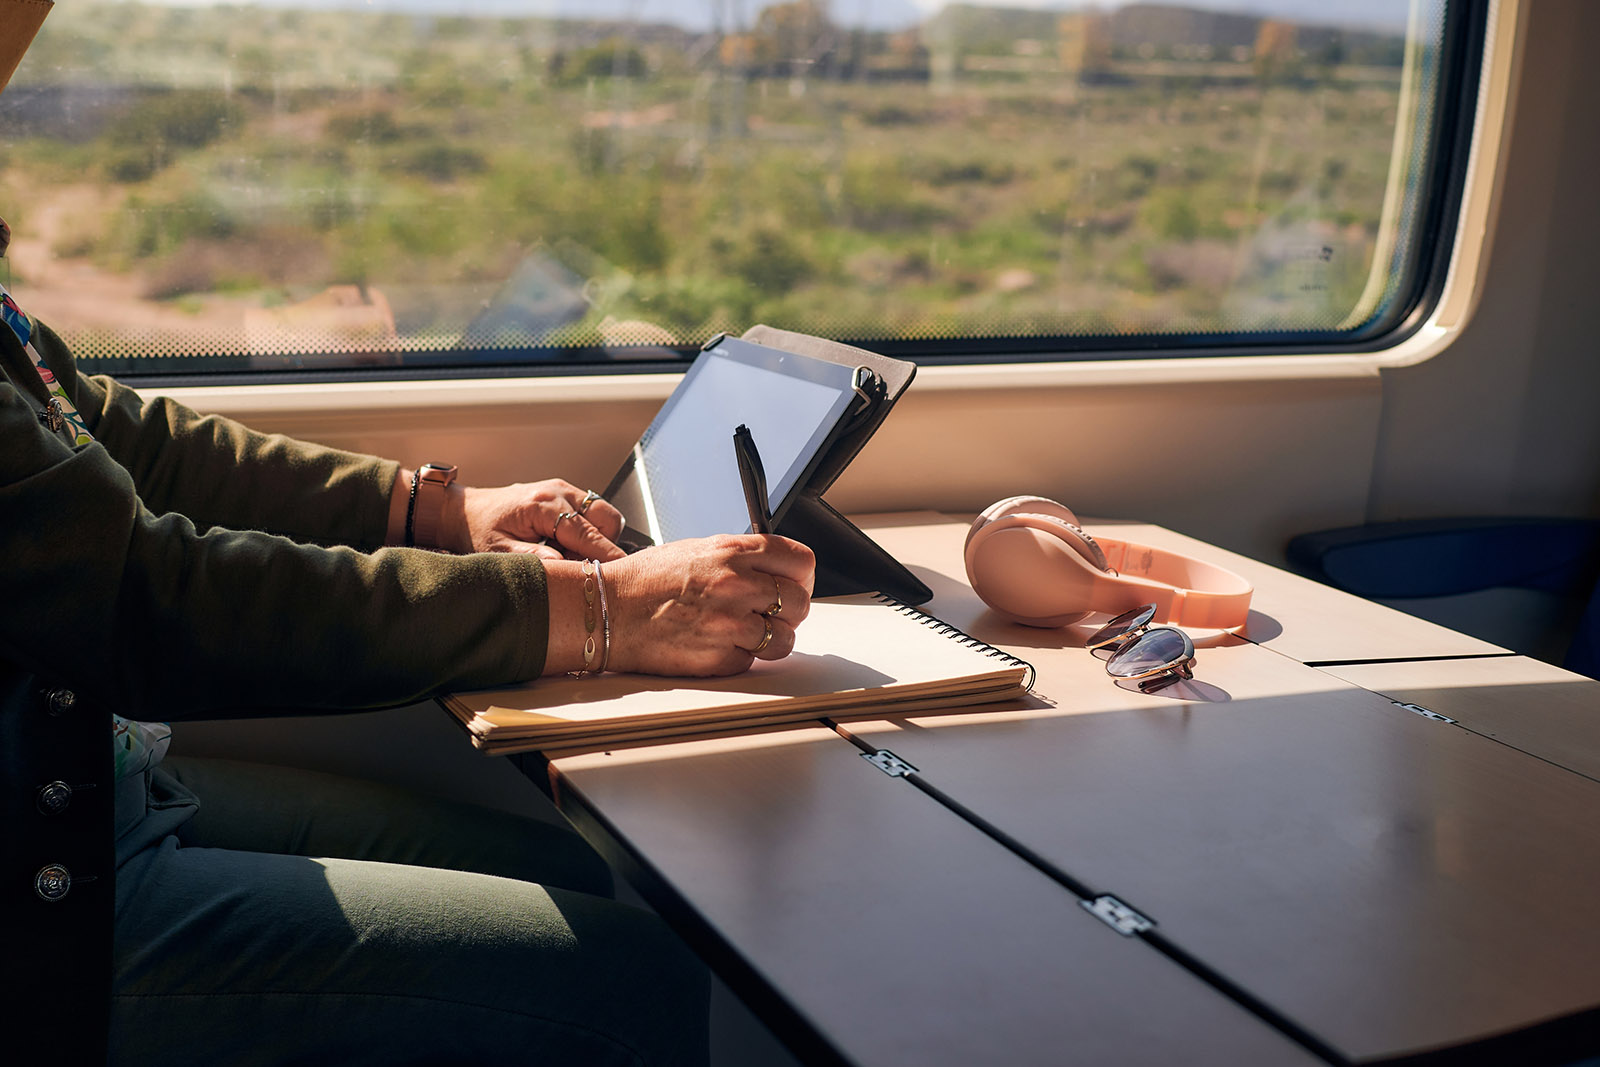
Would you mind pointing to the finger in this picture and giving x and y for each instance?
(578, 535)
(786, 558)
(782, 643)
(604, 516)
(554, 515)
(737, 661)
(772, 638)
(787, 598)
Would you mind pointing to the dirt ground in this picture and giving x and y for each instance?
(85, 302)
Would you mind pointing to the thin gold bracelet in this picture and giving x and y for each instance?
(605, 620)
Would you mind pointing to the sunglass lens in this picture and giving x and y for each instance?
(1157, 650)
(1121, 626)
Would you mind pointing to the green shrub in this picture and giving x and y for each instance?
(442, 161)
(956, 172)
(692, 306)
(367, 127)
(153, 132)
(772, 261)
(178, 118)
(129, 165)
(877, 197)
(611, 58)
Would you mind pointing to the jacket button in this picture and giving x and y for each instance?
(53, 797)
(59, 701)
(52, 882)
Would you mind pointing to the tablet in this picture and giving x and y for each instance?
(681, 479)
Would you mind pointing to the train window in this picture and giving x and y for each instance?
(357, 187)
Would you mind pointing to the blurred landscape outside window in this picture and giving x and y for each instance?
(316, 184)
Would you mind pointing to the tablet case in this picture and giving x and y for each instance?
(848, 561)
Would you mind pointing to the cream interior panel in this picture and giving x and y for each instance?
(1242, 464)
(1503, 421)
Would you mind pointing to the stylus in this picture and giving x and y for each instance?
(754, 479)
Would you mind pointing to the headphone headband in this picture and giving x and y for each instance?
(1186, 591)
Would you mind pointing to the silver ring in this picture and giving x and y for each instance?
(589, 498)
(557, 526)
(766, 638)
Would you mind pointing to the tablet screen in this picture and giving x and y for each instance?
(682, 480)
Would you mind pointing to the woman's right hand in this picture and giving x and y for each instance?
(689, 608)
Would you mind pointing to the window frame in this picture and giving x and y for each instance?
(1466, 128)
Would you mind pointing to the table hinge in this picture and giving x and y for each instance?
(1117, 915)
(1424, 712)
(889, 763)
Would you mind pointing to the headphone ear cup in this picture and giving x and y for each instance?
(1035, 568)
(1042, 508)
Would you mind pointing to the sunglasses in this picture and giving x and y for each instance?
(1153, 656)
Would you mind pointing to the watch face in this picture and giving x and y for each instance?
(438, 472)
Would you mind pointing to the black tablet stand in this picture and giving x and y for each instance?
(848, 561)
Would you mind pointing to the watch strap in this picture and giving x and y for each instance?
(430, 486)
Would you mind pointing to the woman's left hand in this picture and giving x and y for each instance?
(553, 519)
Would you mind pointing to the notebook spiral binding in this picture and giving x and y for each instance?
(960, 635)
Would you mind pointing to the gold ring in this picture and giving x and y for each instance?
(777, 605)
(589, 498)
(766, 638)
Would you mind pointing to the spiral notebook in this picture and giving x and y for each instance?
(865, 654)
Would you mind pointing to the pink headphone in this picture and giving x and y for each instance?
(1029, 560)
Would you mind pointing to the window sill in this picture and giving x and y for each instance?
(398, 396)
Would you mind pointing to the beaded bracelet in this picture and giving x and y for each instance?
(411, 509)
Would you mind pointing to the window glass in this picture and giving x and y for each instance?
(342, 184)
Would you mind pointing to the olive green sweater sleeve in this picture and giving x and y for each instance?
(156, 619)
(159, 621)
(220, 473)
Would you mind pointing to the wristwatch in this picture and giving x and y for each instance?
(426, 513)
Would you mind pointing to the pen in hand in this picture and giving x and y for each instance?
(754, 479)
